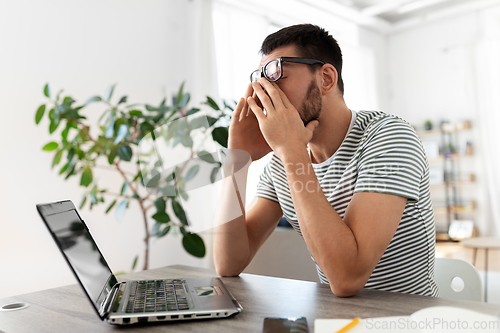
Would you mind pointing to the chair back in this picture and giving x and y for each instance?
(458, 279)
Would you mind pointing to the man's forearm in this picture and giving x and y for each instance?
(231, 245)
(329, 239)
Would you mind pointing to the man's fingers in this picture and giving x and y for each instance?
(263, 97)
(312, 125)
(239, 108)
(273, 92)
(249, 91)
(244, 110)
(257, 111)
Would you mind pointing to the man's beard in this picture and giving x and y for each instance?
(311, 106)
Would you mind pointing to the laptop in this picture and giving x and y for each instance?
(129, 302)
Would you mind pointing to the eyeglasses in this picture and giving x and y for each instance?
(273, 70)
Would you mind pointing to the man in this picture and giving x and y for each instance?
(355, 185)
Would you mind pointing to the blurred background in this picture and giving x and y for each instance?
(432, 62)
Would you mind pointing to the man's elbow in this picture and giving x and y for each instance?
(227, 272)
(345, 289)
(226, 269)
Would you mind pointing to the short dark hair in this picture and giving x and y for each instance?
(311, 41)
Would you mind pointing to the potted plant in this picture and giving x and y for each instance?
(120, 129)
(428, 125)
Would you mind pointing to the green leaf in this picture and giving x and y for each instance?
(160, 233)
(120, 210)
(112, 154)
(64, 168)
(139, 175)
(124, 188)
(57, 158)
(146, 127)
(164, 231)
(153, 179)
(183, 231)
(110, 131)
(125, 153)
(46, 90)
(84, 200)
(210, 102)
(64, 133)
(161, 217)
(50, 146)
(211, 121)
(156, 229)
(86, 179)
(71, 169)
(135, 113)
(198, 122)
(53, 125)
(213, 174)
(220, 134)
(179, 94)
(111, 206)
(93, 99)
(192, 111)
(186, 141)
(168, 191)
(109, 93)
(183, 194)
(39, 113)
(122, 132)
(135, 262)
(179, 212)
(160, 204)
(123, 100)
(184, 100)
(207, 157)
(194, 245)
(191, 173)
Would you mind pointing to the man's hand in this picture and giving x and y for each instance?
(281, 126)
(244, 131)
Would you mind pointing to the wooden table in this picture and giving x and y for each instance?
(486, 243)
(66, 309)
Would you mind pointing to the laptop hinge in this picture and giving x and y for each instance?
(108, 301)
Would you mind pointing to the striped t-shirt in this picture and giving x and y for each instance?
(380, 153)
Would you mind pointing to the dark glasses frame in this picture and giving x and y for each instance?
(281, 60)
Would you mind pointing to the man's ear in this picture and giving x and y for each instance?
(329, 78)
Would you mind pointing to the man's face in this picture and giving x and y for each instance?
(298, 83)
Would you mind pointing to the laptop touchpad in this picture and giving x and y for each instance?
(208, 291)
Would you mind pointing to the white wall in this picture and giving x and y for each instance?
(433, 75)
(148, 48)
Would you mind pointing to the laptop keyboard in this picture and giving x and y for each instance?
(157, 295)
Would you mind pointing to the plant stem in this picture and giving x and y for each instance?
(146, 238)
(146, 229)
(111, 168)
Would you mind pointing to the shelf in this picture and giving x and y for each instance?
(428, 133)
(448, 153)
(469, 207)
(455, 183)
(450, 157)
(447, 128)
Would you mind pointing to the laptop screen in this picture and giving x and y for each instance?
(82, 254)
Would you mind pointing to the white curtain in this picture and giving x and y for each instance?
(202, 61)
(488, 85)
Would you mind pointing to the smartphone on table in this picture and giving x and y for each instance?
(285, 325)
